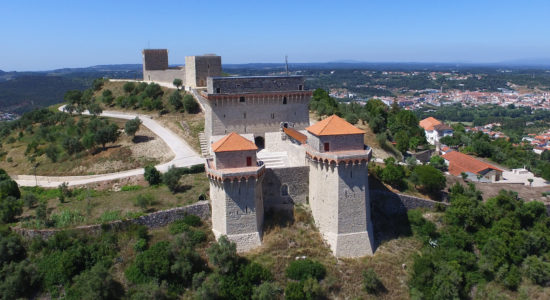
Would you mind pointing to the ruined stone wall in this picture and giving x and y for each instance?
(297, 181)
(254, 84)
(152, 220)
(167, 75)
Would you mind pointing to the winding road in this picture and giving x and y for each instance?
(184, 156)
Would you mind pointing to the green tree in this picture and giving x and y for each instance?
(176, 100)
(152, 175)
(96, 283)
(171, 178)
(52, 152)
(177, 83)
(438, 162)
(10, 207)
(371, 283)
(132, 126)
(107, 133)
(430, 178)
(223, 255)
(129, 87)
(29, 199)
(98, 84)
(107, 97)
(402, 141)
(71, 144)
(189, 104)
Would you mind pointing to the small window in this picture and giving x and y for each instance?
(284, 100)
(327, 147)
(284, 190)
(218, 90)
(248, 161)
(244, 115)
(241, 99)
(273, 116)
(300, 87)
(224, 116)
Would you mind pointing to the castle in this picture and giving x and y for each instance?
(193, 74)
(264, 154)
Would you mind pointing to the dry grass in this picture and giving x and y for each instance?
(286, 238)
(116, 157)
(185, 125)
(93, 205)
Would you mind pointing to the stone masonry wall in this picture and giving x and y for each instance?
(297, 181)
(152, 220)
(155, 59)
(393, 204)
(167, 75)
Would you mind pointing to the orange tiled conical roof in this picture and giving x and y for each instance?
(333, 125)
(233, 142)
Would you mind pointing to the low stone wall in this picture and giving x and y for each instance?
(297, 181)
(394, 204)
(152, 220)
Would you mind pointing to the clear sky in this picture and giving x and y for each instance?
(41, 35)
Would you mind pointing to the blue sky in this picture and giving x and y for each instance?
(41, 35)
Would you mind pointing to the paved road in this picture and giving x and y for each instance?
(184, 156)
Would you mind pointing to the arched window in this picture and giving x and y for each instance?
(284, 100)
(284, 190)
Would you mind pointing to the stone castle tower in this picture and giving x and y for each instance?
(236, 191)
(338, 186)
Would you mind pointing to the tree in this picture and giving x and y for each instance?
(107, 133)
(152, 175)
(171, 178)
(52, 152)
(10, 207)
(94, 109)
(438, 162)
(430, 178)
(132, 126)
(129, 87)
(530, 181)
(223, 255)
(98, 84)
(402, 140)
(8, 187)
(107, 97)
(29, 200)
(96, 283)
(177, 83)
(71, 144)
(73, 97)
(175, 100)
(190, 104)
(393, 174)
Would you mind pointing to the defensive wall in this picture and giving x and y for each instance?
(152, 220)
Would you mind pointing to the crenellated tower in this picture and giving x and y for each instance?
(338, 186)
(236, 192)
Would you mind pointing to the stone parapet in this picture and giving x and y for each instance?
(233, 173)
(353, 156)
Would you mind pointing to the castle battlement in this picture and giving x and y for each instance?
(233, 174)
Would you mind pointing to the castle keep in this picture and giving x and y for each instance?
(193, 74)
(263, 154)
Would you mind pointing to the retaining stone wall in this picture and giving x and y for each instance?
(297, 181)
(394, 204)
(152, 220)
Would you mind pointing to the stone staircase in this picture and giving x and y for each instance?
(203, 145)
(273, 159)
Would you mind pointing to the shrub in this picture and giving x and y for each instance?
(537, 270)
(192, 220)
(371, 282)
(420, 226)
(10, 207)
(171, 178)
(29, 199)
(19, 280)
(108, 216)
(266, 291)
(223, 255)
(430, 178)
(144, 200)
(152, 264)
(97, 283)
(189, 104)
(294, 291)
(11, 249)
(152, 175)
(140, 245)
(178, 227)
(304, 268)
(254, 273)
(128, 188)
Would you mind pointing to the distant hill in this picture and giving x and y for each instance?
(24, 93)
